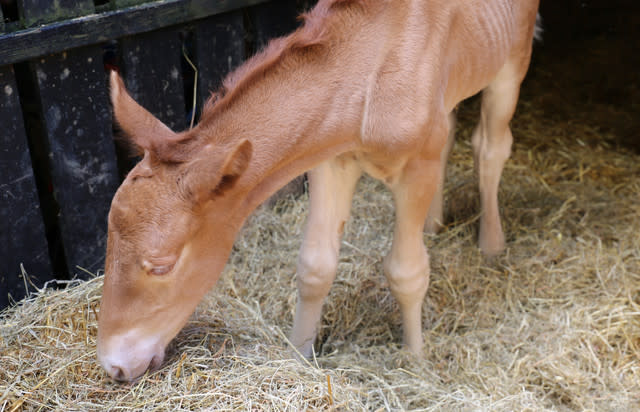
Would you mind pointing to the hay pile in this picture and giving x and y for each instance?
(552, 324)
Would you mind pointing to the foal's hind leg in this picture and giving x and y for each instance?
(435, 217)
(331, 187)
(492, 141)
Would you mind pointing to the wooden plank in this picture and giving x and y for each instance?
(273, 19)
(77, 126)
(37, 12)
(219, 48)
(152, 66)
(56, 37)
(119, 4)
(22, 233)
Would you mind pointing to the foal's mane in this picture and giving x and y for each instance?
(313, 33)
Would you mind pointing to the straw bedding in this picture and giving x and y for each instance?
(552, 324)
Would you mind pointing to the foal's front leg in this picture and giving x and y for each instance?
(331, 187)
(407, 264)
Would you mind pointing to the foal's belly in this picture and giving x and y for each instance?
(384, 168)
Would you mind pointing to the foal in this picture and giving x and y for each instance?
(362, 87)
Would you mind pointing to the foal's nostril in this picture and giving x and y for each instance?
(117, 373)
(155, 363)
(128, 365)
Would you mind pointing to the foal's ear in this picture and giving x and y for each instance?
(238, 161)
(147, 133)
(208, 178)
(234, 166)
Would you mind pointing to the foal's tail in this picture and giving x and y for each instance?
(537, 31)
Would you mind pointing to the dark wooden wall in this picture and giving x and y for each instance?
(59, 165)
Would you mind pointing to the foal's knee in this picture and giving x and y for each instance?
(316, 270)
(408, 279)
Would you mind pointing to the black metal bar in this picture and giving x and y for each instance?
(57, 37)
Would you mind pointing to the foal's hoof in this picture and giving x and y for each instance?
(297, 354)
(492, 247)
(433, 226)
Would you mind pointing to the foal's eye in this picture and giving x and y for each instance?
(161, 270)
(156, 269)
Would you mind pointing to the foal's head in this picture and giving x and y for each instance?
(171, 226)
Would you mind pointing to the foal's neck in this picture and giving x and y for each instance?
(292, 129)
(296, 115)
